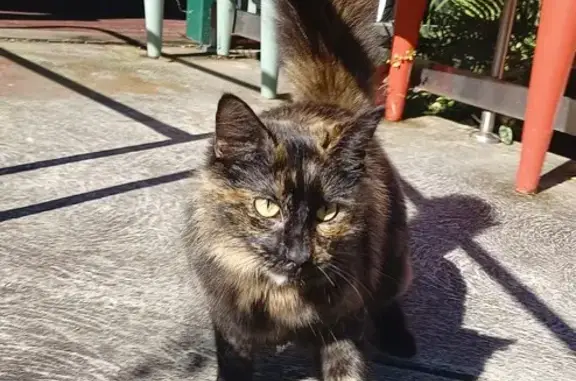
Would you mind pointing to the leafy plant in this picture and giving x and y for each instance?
(462, 34)
(482, 9)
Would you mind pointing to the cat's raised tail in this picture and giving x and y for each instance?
(328, 50)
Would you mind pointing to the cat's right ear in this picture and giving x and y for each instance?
(239, 131)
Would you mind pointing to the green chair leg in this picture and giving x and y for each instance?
(269, 56)
(154, 18)
(199, 23)
(226, 10)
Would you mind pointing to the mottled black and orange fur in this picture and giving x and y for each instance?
(319, 149)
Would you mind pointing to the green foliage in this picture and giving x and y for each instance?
(462, 34)
(482, 9)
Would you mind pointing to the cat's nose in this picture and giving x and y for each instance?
(297, 256)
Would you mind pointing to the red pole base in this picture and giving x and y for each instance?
(408, 18)
(553, 57)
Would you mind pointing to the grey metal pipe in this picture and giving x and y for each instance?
(154, 18)
(485, 134)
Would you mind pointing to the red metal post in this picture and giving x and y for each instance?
(553, 57)
(408, 17)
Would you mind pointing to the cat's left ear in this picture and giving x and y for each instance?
(356, 135)
(239, 131)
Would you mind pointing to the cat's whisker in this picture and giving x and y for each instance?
(382, 273)
(333, 335)
(350, 277)
(345, 278)
(312, 329)
(326, 275)
(379, 271)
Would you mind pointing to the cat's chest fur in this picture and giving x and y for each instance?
(279, 314)
(266, 304)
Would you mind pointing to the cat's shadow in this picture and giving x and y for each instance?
(436, 303)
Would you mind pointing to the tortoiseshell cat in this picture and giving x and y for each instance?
(297, 225)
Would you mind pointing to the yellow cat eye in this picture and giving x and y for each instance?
(266, 208)
(327, 212)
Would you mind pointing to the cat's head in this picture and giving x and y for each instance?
(289, 184)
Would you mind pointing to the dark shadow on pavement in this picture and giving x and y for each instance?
(526, 297)
(436, 303)
(558, 175)
(246, 85)
(444, 223)
(154, 124)
(63, 202)
(174, 135)
(172, 57)
(97, 155)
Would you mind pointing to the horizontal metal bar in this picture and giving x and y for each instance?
(566, 117)
(247, 25)
(385, 29)
(486, 93)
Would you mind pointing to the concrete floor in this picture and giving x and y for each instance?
(95, 145)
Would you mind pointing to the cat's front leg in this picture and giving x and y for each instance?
(234, 355)
(342, 359)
